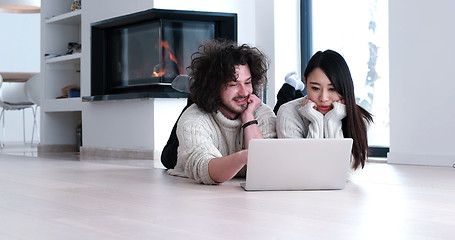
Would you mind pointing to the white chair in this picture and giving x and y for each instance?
(13, 96)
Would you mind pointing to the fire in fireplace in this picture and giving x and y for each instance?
(138, 55)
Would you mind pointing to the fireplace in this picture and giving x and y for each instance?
(138, 55)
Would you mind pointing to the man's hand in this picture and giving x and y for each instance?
(225, 168)
(253, 104)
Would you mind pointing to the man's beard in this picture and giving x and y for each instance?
(229, 109)
(233, 111)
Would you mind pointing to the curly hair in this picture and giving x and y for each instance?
(213, 66)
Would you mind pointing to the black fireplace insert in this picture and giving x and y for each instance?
(138, 55)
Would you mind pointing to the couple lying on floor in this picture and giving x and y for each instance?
(209, 142)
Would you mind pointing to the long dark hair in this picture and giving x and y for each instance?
(357, 118)
(213, 66)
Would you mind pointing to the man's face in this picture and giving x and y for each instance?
(234, 96)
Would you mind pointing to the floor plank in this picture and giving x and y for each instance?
(64, 197)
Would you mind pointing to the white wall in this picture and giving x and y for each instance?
(146, 124)
(422, 72)
(278, 36)
(19, 52)
(286, 42)
(265, 40)
(20, 42)
(142, 124)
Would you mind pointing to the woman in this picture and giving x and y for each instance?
(329, 110)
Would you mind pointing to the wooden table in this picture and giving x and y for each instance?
(17, 76)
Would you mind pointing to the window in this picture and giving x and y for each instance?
(358, 30)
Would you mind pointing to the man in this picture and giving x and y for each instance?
(213, 133)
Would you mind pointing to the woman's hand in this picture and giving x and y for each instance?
(340, 101)
(307, 101)
(338, 111)
(332, 120)
(308, 111)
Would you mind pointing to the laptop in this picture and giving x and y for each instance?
(297, 164)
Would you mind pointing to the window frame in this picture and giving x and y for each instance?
(306, 49)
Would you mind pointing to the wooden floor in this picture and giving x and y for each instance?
(63, 197)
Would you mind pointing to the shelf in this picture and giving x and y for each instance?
(64, 58)
(62, 105)
(66, 18)
(59, 26)
(136, 95)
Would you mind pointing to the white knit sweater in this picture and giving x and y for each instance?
(204, 136)
(297, 121)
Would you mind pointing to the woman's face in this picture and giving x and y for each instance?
(321, 91)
